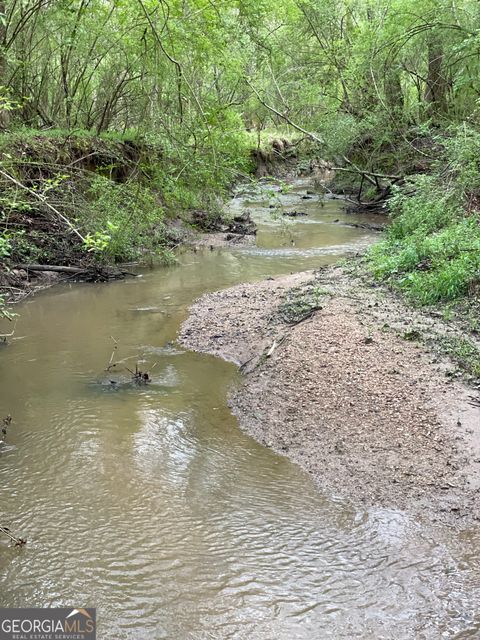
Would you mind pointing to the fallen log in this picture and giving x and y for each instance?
(91, 273)
(51, 267)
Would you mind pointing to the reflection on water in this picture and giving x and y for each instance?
(149, 503)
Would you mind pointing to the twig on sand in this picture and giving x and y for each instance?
(263, 356)
(275, 344)
(244, 365)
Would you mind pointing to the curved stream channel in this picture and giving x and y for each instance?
(150, 503)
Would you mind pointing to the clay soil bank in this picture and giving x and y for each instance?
(370, 415)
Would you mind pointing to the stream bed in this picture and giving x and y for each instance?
(149, 503)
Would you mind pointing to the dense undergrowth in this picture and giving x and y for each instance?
(432, 249)
(119, 193)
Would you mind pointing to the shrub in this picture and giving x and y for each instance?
(432, 249)
(122, 221)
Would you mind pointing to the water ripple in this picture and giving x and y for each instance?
(156, 509)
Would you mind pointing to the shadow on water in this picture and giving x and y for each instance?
(149, 503)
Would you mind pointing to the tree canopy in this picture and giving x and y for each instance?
(189, 70)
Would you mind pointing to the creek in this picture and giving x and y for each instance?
(149, 503)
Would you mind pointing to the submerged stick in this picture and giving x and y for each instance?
(19, 542)
(110, 362)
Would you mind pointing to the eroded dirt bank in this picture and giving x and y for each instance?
(330, 382)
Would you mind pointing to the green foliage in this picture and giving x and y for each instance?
(132, 67)
(116, 189)
(122, 221)
(465, 353)
(99, 241)
(5, 246)
(21, 246)
(163, 103)
(432, 250)
(301, 302)
(4, 312)
(6, 102)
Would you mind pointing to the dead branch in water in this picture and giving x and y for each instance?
(6, 423)
(19, 542)
(373, 174)
(112, 364)
(140, 377)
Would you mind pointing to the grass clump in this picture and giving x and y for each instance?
(300, 303)
(432, 249)
(464, 353)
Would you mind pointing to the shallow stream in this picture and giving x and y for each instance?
(150, 503)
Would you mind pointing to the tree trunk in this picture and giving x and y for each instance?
(4, 114)
(393, 90)
(437, 85)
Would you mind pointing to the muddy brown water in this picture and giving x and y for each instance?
(150, 503)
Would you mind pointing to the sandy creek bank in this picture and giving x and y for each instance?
(372, 416)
